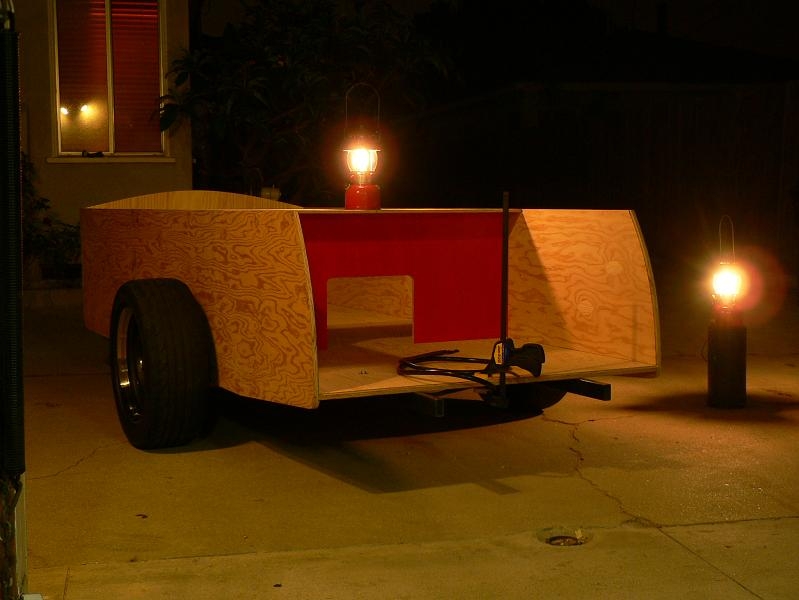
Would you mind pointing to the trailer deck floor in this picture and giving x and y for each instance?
(364, 348)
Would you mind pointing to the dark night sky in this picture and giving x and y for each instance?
(503, 31)
(762, 26)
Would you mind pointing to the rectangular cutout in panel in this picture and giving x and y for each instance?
(368, 307)
(363, 315)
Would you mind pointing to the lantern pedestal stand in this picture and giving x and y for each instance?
(726, 362)
(726, 335)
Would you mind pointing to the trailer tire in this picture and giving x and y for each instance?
(163, 366)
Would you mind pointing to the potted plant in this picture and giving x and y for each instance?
(50, 247)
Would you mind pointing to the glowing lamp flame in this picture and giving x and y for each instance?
(362, 160)
(727, 283)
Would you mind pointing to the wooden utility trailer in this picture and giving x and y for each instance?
(305, 305)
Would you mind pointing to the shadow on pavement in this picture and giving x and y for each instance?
(385, 445)
(759, 408)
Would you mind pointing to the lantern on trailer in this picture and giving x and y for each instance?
(362, 192)
(726, 338)
(361, 148)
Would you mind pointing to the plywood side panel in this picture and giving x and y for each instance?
(247, 268)
(108, 260)
(196, 200)
(581, 280)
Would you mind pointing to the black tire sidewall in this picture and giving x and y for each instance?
(179, 366)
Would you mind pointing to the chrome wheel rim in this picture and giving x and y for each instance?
(129, 364)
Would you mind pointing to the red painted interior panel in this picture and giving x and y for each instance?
(454, 259)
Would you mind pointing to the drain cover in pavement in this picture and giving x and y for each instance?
(565, 540)
(563, 536)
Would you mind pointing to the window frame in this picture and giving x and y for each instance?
(112, 155)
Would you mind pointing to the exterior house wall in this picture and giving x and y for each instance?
(73, 183)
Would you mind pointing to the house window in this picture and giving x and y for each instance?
(108, 76)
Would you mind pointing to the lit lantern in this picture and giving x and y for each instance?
(727, 285)
(726, 338)
(362, 192)
(361, 148)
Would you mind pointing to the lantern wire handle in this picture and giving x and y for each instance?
(726, 219)
(347, 100)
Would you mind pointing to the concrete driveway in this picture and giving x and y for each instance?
(371, 499)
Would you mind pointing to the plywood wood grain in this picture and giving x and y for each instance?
(195, 200)
(383, 295)
(581, 280)
(247, 269)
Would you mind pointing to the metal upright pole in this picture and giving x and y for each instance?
(503, 314)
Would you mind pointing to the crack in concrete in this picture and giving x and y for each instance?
(635, 519)
(74, 465)
(579, 458)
